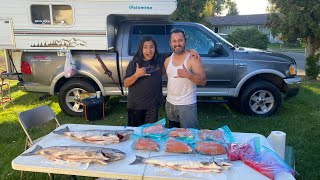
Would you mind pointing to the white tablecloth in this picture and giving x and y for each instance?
(121, 169)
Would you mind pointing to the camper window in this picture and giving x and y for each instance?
(58, 15)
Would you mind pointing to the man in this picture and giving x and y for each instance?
(184, 73)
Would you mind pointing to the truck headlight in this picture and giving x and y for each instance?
(293, 70)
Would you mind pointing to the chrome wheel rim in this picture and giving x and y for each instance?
(261, 102)
(73, 99)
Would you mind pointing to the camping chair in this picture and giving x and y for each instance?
(34, 118)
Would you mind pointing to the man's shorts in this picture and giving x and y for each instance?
(185, 114)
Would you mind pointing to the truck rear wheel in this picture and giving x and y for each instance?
(69, 96)
(261, 98)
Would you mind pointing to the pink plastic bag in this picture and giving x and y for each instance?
(261, 159)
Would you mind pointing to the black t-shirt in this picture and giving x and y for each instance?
(146, 92)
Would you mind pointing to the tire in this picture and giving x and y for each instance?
(69, 96)
(260, 98)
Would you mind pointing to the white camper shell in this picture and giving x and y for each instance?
(72, 24)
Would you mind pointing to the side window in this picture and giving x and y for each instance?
(40, 14)
(57, 15)
(196, 39)
(137, 32)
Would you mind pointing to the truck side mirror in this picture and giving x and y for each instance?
(216, 50)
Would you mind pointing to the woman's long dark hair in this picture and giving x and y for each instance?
(138, 57)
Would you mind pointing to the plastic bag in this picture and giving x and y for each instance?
(222, 135)
(69, 66)
(177, 146)
(261, 159)
(145, 144)
(155, 129)
(210, 148)
(181, 133)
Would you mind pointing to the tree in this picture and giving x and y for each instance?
(218, 6)
(296, 18)
(232, 8)
(190, 10)
(249, 38)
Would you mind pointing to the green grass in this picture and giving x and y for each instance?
(298, 117)
(282, 47)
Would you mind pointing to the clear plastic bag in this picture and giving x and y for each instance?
(145, 144)
(222, 135)
(259, 158)
(155, 129)
(69, 66)
(174, 145)
(210, 148)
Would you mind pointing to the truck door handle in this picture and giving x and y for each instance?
(241, 64)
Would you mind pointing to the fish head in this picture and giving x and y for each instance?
(113, 154)
(124, 134)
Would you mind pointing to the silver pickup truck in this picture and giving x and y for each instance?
(253, 78)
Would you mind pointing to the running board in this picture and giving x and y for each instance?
(212, 101)
(199, 100)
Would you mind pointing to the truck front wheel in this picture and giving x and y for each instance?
(261, 98)
(69, 96)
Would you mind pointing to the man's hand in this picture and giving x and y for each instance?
(183, 73)
(140, 72)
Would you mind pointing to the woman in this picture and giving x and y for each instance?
(143, 77)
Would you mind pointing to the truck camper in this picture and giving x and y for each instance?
(36, 36)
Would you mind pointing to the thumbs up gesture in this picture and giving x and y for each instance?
(183, 73)
(140, 71)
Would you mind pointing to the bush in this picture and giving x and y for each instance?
(249, 38)
(313, 69)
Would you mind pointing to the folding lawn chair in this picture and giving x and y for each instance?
(34, 118)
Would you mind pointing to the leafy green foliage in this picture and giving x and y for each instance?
(249, 38)
(296, 18)
(190, 10)
(218, 7)
(232, 8)
(313, 69)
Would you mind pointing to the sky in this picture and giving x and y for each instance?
(251, 6)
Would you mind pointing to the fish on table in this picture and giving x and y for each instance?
(97, 136)
(84, 154)
(186, 162)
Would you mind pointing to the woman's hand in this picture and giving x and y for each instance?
(140, 72)
(194, 54)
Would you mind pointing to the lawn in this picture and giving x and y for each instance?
(284, 48)
(298, 117)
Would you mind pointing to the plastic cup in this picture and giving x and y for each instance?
(98, 94)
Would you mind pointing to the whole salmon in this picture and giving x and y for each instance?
(85, 154)
(186, 162)
(97, 136)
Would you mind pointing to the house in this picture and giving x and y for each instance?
(225, 25)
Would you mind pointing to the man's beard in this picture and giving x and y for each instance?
(178, 51)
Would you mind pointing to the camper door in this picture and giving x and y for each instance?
(6, 34)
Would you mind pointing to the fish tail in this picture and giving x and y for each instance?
(139, 160)
(62, 131)
(32, 152)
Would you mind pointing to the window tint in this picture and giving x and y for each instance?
(196, 39)
(157, 32)
(40, 14)
(61, 15)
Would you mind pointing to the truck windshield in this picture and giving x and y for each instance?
(222, 40)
